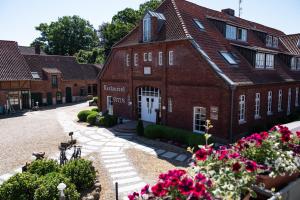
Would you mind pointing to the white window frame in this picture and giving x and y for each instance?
(260, 60)
(270, 61)
(171, 58)
(296, 97)
(202, 112)
(145, 57)
(147, 28)
(229, 57)
(149, 56)
(170, 105)
(243, 34)
(109, 104)
(199, 24)
(269, 112)
(136, 59)
(257, 106)
(293, 63)
(269, 41)
(242, 109)
(127, 60)
(280, 100)
(160, 58)
(275, 42)
(288, 110)
(231, 32)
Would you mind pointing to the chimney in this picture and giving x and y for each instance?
(228, 11)
(37, 48)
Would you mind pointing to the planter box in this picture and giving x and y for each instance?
(277, 182)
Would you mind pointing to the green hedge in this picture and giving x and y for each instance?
(96, 110)
(178, 135)
(91, 118)
(82, 115)
(107, 121)
(43, 167)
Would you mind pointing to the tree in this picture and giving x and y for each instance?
(96, 56)
(67, 36)
(122, 23)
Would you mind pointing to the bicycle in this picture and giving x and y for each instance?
(76, 153)
(62, 156)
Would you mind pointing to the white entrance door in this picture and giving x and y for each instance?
(149, 105)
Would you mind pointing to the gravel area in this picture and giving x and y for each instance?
(148, 166)
(32, 132)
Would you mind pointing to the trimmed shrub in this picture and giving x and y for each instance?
(47, 187)
(43, 167)
(140, 128)
(96, 110)
(107, 121)
(177, 135)
(82, 115)
(95, 100)
(80, 172)
(20, 186)
(91, 118)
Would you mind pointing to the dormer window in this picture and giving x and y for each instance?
(229, 58)
(264, 61)
(272, 41)
(235, 33)
(295, 63)
(147, 28)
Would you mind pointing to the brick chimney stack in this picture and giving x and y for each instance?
(229, 11)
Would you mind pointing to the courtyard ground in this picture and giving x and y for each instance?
(119, 157)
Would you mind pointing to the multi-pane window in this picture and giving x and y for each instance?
(231, 32)
(110, 105)
(145, 57)
(275, 42)
(170, 105)
(294, 63)
(272, 41)
(269, 103)
(242, 34)
(136, 59)
(257, 106)
(297, 97)
(242, 109)
(171, 57)
(54, 81)
(229, 58)
(127, 60)
(260, 60)
(150, 56)
(147, 28)
(289, 101)
(279, 100)
(269, 61)
(199, 119)
(160, 58)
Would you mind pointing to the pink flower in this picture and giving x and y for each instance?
(186, 186)
(200, 177)
(251, 166)
(145, 190)
(236, 167)
(133, 196)
(201, 154)
(159, 190)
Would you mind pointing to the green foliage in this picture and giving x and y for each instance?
(95, 110)
(95, 99)
(95, 56)
(43, 167)
(82, 115)
(122, 23)
(47, 187)
(140, 128)
(107, 121)
(67, 36)
(177, 135)
(91, 118)
(20, 186)
(80, 172)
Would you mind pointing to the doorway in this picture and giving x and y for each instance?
(68, 95)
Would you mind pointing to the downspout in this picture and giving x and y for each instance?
(232, 87)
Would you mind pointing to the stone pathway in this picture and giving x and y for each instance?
(110, 147)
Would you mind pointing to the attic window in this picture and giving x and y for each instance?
(147, 28)
(229, 57)
(35, 75)
(199, 24)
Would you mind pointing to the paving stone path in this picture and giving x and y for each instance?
(110, 147)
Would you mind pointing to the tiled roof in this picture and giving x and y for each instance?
(67, 65)
(180, 15)
(12, 64)
(30, 50)
(291, 42)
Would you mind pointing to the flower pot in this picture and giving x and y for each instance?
(277, 182)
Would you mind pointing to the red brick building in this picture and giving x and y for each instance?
(185, 63)
(28, 75)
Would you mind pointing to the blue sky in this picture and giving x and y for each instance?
(19, 17)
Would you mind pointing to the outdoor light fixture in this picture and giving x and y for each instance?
(61, 188)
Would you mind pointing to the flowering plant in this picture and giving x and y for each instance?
(275, 150)
(176, 184)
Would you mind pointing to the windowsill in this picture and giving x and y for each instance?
(242, 122)
(270, 113)
(264, 68)
(199, 132)
(257, 117)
